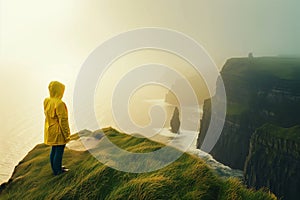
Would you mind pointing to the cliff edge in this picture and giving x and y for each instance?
(186, 178)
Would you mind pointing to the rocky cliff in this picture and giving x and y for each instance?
(274, 160)
(259, 91)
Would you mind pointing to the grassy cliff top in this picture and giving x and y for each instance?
(186, 178)
(279, 67)
(270, 130)
(249, 81)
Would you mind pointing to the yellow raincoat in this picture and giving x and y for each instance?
(57, 131)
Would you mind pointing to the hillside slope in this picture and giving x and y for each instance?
(187, 178)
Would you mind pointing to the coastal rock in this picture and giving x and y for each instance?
(175, 121)
(274, 161)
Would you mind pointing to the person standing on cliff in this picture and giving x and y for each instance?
(56, 130)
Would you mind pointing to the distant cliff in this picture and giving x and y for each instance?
(259, 91)
(274, 161)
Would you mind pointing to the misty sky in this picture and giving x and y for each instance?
(64, 32)
(42, 41)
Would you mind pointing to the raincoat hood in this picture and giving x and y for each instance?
(56, 89)
(56, 130)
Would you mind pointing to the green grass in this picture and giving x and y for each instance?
(270, 130)
(186, 178)
(280, 67)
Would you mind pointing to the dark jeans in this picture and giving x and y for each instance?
(56, 155)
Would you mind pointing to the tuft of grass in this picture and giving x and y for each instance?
(186, 178)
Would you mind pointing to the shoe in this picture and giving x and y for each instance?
(65, 170)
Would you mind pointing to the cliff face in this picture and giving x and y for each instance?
(274, 160)
(259, 91)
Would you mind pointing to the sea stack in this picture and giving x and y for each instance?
(175, 121)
